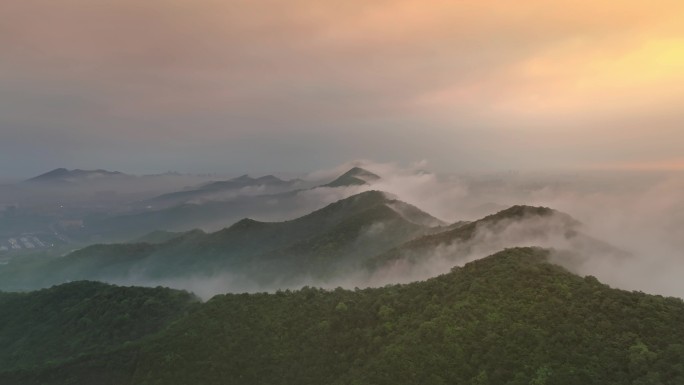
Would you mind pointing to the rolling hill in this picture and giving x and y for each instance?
(223, 190)
(215, 205)
(325, 243)
(357, 176)
(65, 176)
(368, 239)
(512, 227)
(74, 319)
(510, 318)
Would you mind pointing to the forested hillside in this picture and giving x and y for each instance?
(511, 318)
(58, 324)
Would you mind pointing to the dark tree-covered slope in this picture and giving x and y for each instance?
(511, 318)
(70, 320)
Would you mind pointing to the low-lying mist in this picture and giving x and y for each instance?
(630, 230)
(632, 226)
(115, 190)
(639, 212)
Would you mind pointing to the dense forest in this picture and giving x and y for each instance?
(58, 324)
(511, 318)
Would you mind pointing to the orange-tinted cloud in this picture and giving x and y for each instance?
(584, 71)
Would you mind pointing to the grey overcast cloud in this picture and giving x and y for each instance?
(279, 86)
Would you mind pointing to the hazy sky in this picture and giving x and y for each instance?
(265, 85)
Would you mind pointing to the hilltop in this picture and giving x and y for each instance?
(65, 176)
(518, 225)
(510, 318)
(222, 190)
(213, 205)
(80, 318)
(357, 176)
(327, 242)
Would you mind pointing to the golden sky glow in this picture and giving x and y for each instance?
(589, 82)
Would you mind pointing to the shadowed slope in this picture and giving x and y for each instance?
(511, 318)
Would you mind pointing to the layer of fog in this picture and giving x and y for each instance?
(641, 213)
(574, 250)
(115, 191)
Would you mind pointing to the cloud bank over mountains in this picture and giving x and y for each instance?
(639, 212)
(197, 86)
(623, 227)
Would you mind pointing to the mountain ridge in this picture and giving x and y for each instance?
(356, 176)
(533, 226)
(510, 318)
(343, 232)
(195, 208)
(63, 175)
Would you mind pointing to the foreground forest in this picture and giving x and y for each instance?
(511, 318)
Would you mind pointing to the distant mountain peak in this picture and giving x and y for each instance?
(371, 195)
(359, 201)
(266, 179)
(524, 211)
(244, 224)
(56, 173)
(63, 175)
(357, 176)
(243, 178)
(269, 179)
(374, 199)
